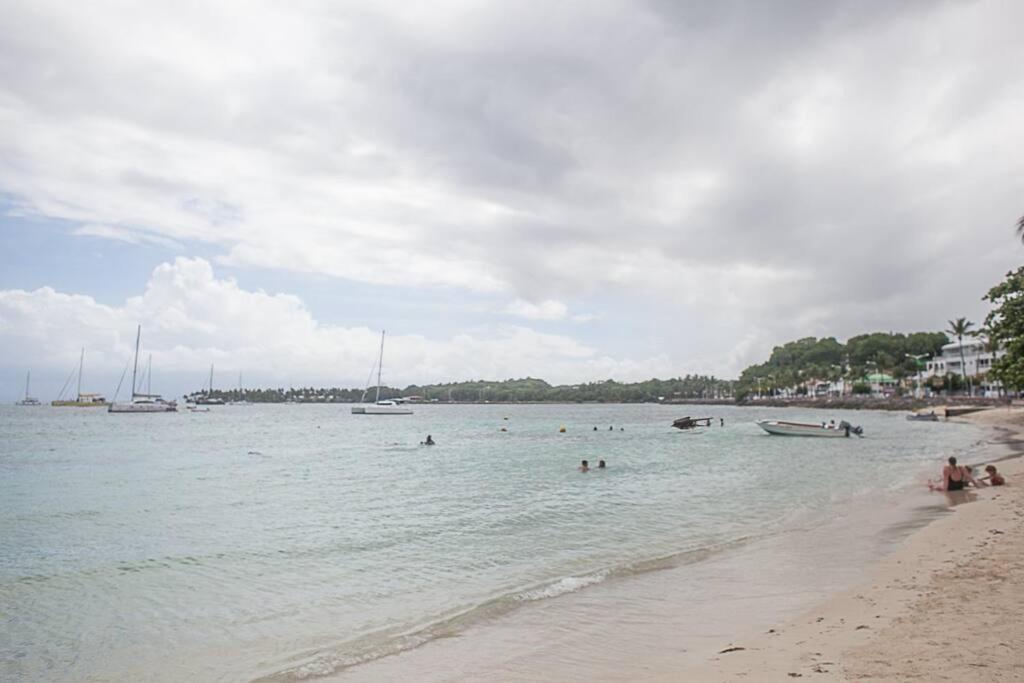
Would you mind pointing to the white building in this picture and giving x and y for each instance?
(977, 361)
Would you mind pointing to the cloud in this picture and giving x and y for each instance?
(123, 235)
(544, 310)
(190, 319)
(743, 172)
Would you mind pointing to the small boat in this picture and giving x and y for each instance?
(197, 409)
(783, 428)
(689, 424)
(28, 400)
(81, 400)
(923, 417)
(379, 407)
(142, 403)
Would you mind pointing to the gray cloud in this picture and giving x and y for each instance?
(786, 164)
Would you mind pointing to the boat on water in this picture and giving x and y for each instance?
(923, 417)
(28, 400)
(141, 403)
(208, 399)
(783, 428)
(379, 407)
(81, 400)
(692, 425)
(241, 392)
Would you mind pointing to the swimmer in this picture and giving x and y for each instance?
(600, 465)
(429, 441)
(584, 466)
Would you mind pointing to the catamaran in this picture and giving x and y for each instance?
(208, 399)
(28, 400)
(379, 407)
(141, 403)
(81, 400)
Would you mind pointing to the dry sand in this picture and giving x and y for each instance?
(948, 605)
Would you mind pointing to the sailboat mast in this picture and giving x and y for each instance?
(135, 365)
(149, 376)
(81, 361)
(28, 376)
(211, 380)
(380, 363)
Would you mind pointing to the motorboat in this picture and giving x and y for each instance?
(692, 425)
(784, 428)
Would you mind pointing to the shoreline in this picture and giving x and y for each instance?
(943, 605)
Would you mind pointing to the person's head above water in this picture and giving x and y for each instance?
(584, 463)
(600, 464)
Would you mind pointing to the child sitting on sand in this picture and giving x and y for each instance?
(993, 478)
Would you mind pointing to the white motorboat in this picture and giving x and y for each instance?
(141, 403)
(379, 407)
(784, 428)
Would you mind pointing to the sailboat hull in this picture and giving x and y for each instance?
(143, 407)
(381, 410)
(79, 404)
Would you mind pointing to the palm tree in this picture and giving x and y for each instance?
(958, 328)
(1020, 228)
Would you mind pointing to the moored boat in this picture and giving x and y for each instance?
(784, 428)
(379, 407)
(81, 400)
(141, 403)
(923, 417)
(28, 400)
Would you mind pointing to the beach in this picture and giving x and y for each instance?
(945, 605)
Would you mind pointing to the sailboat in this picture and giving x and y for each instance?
(241, 400)
(81, 400)
(142, 403)
(209, 400)
(28, 400)
(379, 407)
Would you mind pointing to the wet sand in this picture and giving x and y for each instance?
(945, 605)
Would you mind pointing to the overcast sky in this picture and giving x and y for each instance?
(567, 190)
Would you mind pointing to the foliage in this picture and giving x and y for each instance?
(525, 390)
(861, 388)
(826, 359)
(1005, 327)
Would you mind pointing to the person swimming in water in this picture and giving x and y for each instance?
(429, 441)
(600, 465)
(584, 466)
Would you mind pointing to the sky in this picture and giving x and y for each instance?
(574, 191)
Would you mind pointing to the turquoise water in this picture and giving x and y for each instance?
(290, 541)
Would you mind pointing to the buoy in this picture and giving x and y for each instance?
(561, 429)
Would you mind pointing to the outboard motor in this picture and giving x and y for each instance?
(850, 429)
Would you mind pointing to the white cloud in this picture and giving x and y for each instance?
(544, 310)
(124, 235)
(191, 319)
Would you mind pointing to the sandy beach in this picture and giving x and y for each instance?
(945, 605)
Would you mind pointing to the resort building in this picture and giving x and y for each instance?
(977, 360)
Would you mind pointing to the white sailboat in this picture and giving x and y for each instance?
(379, 407)
(81, 400)
(28, 400)
(209, 400)
(142, 403)
(241, 401)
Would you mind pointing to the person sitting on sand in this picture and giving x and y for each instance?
(600, 465)
(954, 478)
(584, 466)
(993, 478)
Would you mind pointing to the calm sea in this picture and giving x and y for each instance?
(290, 542)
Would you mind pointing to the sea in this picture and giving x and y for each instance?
(301, 542)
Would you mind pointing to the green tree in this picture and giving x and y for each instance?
(1005, 327)
(958, 328)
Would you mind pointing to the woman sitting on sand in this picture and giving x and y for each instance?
(953, 478)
